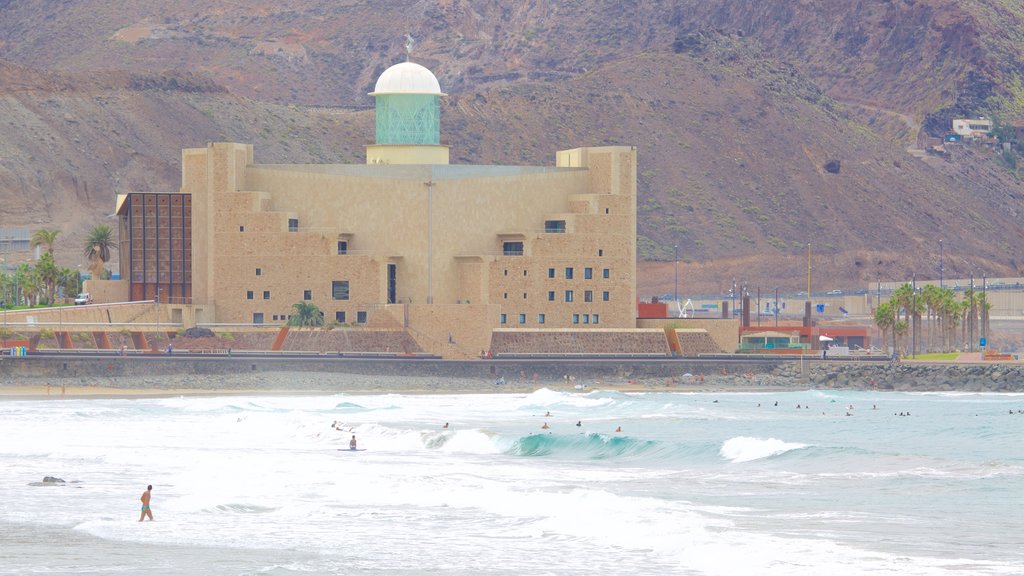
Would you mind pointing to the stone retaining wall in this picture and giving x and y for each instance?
(579, 342)
(741, 373)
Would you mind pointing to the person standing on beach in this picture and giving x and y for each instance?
(352, 443)
(145, 504)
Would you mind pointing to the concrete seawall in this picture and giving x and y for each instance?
(341, 374)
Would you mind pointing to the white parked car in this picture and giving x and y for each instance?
(835, 292)
(83, 298)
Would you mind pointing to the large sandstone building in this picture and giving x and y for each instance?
(450, 252)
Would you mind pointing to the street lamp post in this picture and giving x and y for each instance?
(732, 295)
(970, 325)
(984, 292)
(913, 317)
(940, 263)
(676, 291)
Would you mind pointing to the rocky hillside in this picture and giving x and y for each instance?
(762, 125)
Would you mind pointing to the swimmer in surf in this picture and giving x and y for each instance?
(352, 443)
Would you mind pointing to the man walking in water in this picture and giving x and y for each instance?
(352, 443)
(145, 504)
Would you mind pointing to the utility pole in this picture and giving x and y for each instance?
(776, 306)
(676, 292)
(430, 241)
(808, 270)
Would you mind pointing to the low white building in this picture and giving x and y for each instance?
(972, 127)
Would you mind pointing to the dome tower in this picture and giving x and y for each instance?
(408, 117)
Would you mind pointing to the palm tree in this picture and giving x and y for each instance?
(934, 297)
(69, 282)
(45, 237)
(49, 276)
(885, 318)
(306, 315)
(98, 245)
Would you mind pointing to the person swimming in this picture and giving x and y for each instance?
(545, 426)
(579, 423)
(619, 429)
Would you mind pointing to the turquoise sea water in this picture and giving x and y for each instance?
(725, 483)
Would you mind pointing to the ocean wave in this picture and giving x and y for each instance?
(244, 508)
(746, 449)
(597, 446)
(546, 398)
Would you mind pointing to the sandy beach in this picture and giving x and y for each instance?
(280, 383)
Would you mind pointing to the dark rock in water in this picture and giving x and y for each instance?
(49, 481)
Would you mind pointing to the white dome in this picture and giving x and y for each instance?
(407, 78)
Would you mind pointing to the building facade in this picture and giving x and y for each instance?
(405, 238)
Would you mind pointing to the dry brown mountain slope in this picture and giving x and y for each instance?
(913, 57)
(72, 142)
(733, 164)
(733, 139)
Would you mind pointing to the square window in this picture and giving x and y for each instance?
(588, 296)
(293, 224)
(248, 295)
(540, 318)
(259, 272)
(588, 273)
(274, 317)
(512, 248)
(568, 295)
(604, 296)
(339, 316)
(361, 316)
(551, 296)
(307, 294)
(575, 318)
(339, 289)
(266, 294)
(257, 317)
(568, 273)
(554, 226)
(501, 318)
(606, 273)
(551, 272)
(342, 247)
(596, 319)
(241, 228)
(522, 318)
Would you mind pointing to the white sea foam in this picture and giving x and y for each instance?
(746, 449)
(266, 473)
